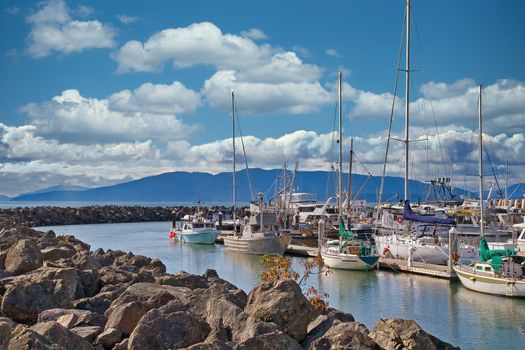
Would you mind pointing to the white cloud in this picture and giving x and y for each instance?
(125, 19)
(84, 11)
(71, 117)
(13, 10)
(156, 98)
(263, 98)
(255, 34)
(53, 29)
(333, 53)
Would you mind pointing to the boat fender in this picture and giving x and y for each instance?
(455, 256)
(473, 279)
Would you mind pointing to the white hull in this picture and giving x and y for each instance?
(399, 247)
(259, 245)
(207, 236)
(335, 260)
(490, 284)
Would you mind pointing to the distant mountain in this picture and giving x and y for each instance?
(56, 188)
(4, 198)
(187, 187)
(516, 191)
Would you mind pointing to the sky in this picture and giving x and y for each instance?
(98, 92)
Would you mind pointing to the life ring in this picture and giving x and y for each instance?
(399, 219)
(455, 257)
(386, 251)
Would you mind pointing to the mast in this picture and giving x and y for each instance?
(480, 148)
(340, 178)
(407, 96)
(234, 194)
(350, 176)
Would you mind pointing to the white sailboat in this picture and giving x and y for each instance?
(348, 252)
(260, 235)
(498, 271)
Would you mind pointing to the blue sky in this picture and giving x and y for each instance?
(99, 92)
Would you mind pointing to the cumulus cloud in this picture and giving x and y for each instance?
(13, 10)
(156, 98)
(332, 53)
(255, 34)
(72, 117)
(125, 19)
(53, 29)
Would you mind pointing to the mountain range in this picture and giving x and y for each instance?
(217, 188)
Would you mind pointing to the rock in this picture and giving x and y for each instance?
(86, 261)
(88, 285)
(70, 318)
(344, 335)
(109, 338)
(23, 301)
(184, 279)
(94, 304)
(323, 323)
(123, 345)
(167, 328)
(26, 339)
(56, 253)
(111, 275)
(68, 275)
(274, 341)
(125, 317)
(397, 333)
(25, 256)
(4, 274)
(247, 327)
(3, 255)
(88, 333)
(6, 325)
(215, 345)
(282, 303)
(61, 336)
(77, 244)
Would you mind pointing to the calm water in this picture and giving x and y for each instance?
(447, 310)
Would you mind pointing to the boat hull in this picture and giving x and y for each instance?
(342, 261)
(491, 285)
(273, 245)
(202, 237)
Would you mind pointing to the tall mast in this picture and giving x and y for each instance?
(340, 178)
(480, 148)
(234, 185)
(407, 95)
(349, 199)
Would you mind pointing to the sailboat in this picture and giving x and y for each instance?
(498, 271)
(347, 252)
(401, 233)
(260, 234)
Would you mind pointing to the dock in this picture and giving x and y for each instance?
(302, 250)
(418, 268)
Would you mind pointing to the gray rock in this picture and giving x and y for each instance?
(123, 345)
(6, 325)
(109, 338)
(61, 336)
(323, 323)
(215, 345)
(247, 327)
(273, 341)
(169, 327)
(183, 279)
(70, 318)
(56, 253)
(125, 317)
(344, 335)
(26, 339)
(88, 333)
(397, 333)
(23, 301)
(23, 257)
(282, 303)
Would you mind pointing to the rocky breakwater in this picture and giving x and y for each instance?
(57, 294)
(96, 214)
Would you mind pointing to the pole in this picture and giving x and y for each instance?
(340, 178)
(234, 185)
(480, 149)
(407, 96)
(349, 199)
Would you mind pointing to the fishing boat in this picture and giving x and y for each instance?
(260, 234)
(198, 232)
(498, 271)
(348, 252)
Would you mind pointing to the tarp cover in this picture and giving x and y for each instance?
(485, 253)
(342, 230)
(408, 214)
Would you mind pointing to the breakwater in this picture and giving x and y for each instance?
(57, 293)
(100, 214)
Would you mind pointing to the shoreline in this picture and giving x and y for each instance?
(122, 298)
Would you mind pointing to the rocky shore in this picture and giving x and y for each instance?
(58, 294)
(96, 214)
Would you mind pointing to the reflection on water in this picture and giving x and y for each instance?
(446, 309)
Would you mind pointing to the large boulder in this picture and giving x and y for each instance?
(282, 303)
(23, 257)
(395, 333)
(273, 341)
(143, 292)
(183, 279)
(344, 335)
(88, 333)
(125, 317)
(6, 325)
(215, 345)
(170, 327)
(26, 339)
(322, 324)
(70, 318)
(23, 301)
(109, 338)
(61, 336)
(95, 304)
(247, 327)
(57, 253)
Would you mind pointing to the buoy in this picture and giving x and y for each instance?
(172, 235)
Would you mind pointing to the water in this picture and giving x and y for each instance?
(445, 309)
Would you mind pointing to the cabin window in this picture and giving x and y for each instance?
(198, 225)
(488, 268)
(479, 268)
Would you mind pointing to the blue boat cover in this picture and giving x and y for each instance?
(408, 214)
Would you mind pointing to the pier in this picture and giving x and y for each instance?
(419, 268)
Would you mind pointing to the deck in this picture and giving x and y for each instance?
(419, 268)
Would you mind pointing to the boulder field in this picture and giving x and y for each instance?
(58, 294)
